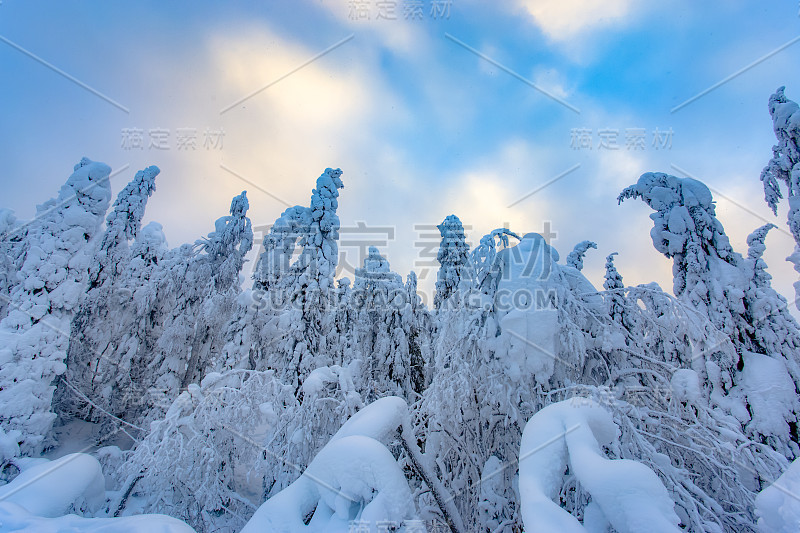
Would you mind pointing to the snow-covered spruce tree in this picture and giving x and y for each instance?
(252, 337)
(575, 257)
(775, 330)
(785, 167)
(420, 328)
(118, 381)
(199, 288)
(613, 283)
(613, 279)
(35, 333)
(345, 318)
(386, 322)
(755, 253)
(617, 340)
(306, 323)
(453, 258)
(712, 278)
(102, 310)
(285, 322)
(280, 247)
(624, 309)
(376, 280)
(615, 345)
(224, 251)
(134, 339)
(382, 350)
(13, 246)
(122, 227)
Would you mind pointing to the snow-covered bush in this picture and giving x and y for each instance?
(493, 358)
(221, 446)
(13, 246)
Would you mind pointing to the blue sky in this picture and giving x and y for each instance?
(421, 125)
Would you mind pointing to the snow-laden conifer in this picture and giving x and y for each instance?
(34, 336)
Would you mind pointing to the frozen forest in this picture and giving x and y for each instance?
(524, 399)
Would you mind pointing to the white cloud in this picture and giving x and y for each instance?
(551, 81)
(328, 113)
(566, 20)
(390, 28)
(495, 191)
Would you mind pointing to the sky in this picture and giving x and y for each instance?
(529, 114)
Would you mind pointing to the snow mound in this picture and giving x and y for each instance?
(778, 506)
(379, 420)
(770, 393)
(351, 478)
(51, 488)
(529, 339)
(625, 494)
(15, 518)
(685, 384)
